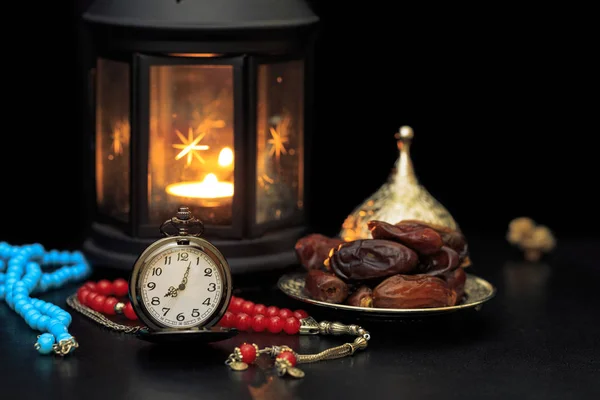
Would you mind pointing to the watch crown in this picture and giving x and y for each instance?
(184, 213)
(182, 224)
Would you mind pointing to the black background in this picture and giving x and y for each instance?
(501, 101)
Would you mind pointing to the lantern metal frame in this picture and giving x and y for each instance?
(247, 245)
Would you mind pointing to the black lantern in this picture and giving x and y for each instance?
(204, 104)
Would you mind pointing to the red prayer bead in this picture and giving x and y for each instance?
(109, 305)
(87, 301)
(248, 352)
(275, 324)
(285, 313)
(105, 287)
(82, 294)
(129, 312)
(272, 311)
(248, 307)
(259, 323)
(300, 314)
(287, 355)
(260, 309)
(236, 305)
(97, 303)
(243, 322)
(291, 326)
(120, 287)
(228, 320)
(90, 285)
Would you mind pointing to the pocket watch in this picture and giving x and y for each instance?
(180, 283)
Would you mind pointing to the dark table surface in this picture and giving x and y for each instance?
(539, 338)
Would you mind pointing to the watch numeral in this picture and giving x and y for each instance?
(197, 260)
(155, 301)
(151, 285)
(212, 287)
(195, 313)
(157, 271)
(180, 317)
(182, 256)
(206, 302)
(207, 272)
(166, 310)
(168, 260)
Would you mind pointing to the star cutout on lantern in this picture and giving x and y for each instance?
(120, 137)
(190, 146)
(277, 141)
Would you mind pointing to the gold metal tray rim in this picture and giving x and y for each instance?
(298, 277)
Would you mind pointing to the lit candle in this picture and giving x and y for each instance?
(210, 192)
(225, 157)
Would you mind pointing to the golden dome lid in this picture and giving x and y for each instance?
(402, 197)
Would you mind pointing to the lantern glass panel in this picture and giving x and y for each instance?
(112, 138)
(280, 131)
(190, 159)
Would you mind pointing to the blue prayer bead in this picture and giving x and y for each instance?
(58, 329)
(33, 321)
(19, 290)
(20, 304)
(45, 307)
(21, 274)
(45, 343)
(43, 322)
(64, 318)
(26, 308)
(30, 313)
(65, 257)
(19, 297)
(52, 309)
(43, 286)
(55, 280)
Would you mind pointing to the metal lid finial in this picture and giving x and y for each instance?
(405, 132)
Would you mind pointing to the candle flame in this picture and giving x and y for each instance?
(225, 157)
(209, 188)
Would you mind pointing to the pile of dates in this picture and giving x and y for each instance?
(410, 264)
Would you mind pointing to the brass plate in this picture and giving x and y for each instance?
(477, 292)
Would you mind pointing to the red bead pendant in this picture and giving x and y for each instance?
(289, 356)
(248, 352)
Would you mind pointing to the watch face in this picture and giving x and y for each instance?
(181, 287)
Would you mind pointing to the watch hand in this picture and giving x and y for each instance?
(185, 277)
(172, 292)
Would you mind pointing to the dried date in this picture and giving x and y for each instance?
(451, 238)
(366, 259)
(362, 297)
(423, 240)
(413, 291)
(325, 286)
(439, 263)
(456, 281)
(313, 249)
